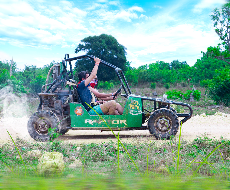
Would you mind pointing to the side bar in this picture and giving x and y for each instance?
(186, 116)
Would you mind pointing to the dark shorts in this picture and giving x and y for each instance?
(97, 109)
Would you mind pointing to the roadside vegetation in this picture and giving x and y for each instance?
(176, 163)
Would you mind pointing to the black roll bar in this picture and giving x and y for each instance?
(65, 76)
(118, 71)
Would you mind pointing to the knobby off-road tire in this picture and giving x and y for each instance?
(163, 123)
(63, 131)
(173, 110)
(63, 124)
(39, 124)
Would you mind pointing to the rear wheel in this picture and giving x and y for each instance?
(42, 125)
(163, 123)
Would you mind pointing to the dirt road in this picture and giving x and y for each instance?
(211, 126)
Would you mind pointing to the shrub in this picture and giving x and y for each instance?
(174, 94)
(187, 94)
(17, 85)
(219, 87)
(105, 85)
(4, 75)
(153, 85)
(6, 80)
(167, 85)
(183, 84)
(204, 83)
(196, 94)
(132, 76)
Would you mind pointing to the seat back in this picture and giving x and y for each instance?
(76, 97)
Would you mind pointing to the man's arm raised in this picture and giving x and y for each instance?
(94, 71)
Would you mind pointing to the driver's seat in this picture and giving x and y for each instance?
(76, 97)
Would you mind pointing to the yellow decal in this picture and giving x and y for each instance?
(134, 105)
(134, 108)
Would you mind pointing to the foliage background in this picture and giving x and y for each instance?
(208, 72)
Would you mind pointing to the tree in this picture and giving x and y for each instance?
(178, 65)
(219, 87)
(7, 66)
(205, 68)
(131, 75)
(4, 76)
(221, 19)
(37, 83)
(105, 47)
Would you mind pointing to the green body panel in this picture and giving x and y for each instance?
(132, 116)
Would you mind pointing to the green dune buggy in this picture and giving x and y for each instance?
(61, 110)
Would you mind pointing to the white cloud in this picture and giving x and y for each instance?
(117, 15)
(135, 8)
(102, 1)
(41, 61)
(21, 24)
(207, 4)
(4, 56)
(79, 12)
(68, 46)
(125, 15)
(96, 6)
(114, 3)
(143, 17)
(66, 5)
(181, 41)
(16, 8)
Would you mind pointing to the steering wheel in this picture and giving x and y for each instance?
(117, 92)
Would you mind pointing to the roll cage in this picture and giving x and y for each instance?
(67, 76)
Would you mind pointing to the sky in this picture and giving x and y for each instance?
(37, 32)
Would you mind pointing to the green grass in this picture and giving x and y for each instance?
(115, 182)
(203, 161)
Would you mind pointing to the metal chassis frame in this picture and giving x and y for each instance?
(68, 75)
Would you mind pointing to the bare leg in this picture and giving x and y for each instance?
(120, 109)
(109, 108)
(117, 113)
(112, 108)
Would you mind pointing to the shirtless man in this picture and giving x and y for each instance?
(110, 107)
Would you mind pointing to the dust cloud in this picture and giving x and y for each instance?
(14, 115)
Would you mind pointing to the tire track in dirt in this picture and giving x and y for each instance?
(211, 126)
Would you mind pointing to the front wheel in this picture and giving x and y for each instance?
(163, 123)
(42, 125)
